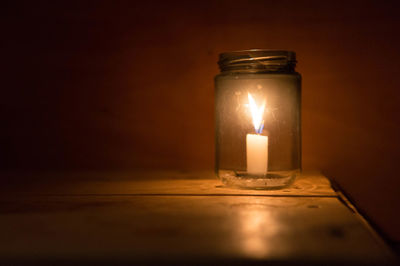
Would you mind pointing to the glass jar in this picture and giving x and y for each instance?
(257, 112)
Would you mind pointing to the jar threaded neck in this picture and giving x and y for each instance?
(257, 61)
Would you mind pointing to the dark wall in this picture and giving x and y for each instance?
(105, 85)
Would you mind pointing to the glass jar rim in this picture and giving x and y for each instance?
(257, 59)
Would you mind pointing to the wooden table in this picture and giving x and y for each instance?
(180, 217)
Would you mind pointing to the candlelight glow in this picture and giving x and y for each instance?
(257, 114)
(256, 226)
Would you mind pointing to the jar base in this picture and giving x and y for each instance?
(270, 181)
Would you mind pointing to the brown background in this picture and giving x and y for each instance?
(115, 85)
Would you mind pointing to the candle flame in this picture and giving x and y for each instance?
(257, 114)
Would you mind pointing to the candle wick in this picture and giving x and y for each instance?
(260, 129)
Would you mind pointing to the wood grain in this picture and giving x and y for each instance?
(160, 182)
(155, 219)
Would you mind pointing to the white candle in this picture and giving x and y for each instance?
(257, 154)
(256, 144)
